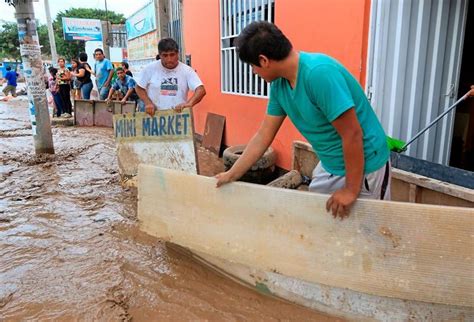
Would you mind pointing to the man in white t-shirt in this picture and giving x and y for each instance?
(165, 83)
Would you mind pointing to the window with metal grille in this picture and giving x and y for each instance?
(236, 76)
(118, 36)
(175, 24)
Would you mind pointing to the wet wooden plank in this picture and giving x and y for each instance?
(443, 188)
(213, 132)
(401, 250)
(84, 113)
(337, 302)
(433, 170)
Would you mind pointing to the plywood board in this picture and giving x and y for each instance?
(435, 185)
(400, 250)
(337, 302)
(213, 132)
(164, 140)
(433, 170)
(84, 112)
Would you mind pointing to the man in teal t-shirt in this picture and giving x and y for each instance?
(329, 108)
(104, 71)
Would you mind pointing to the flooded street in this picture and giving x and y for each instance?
(70, 248)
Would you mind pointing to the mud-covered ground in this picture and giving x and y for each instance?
(70, 248)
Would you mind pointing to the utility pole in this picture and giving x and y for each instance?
(107, 41)
(52, 40)
(33, 70)
(106, 32)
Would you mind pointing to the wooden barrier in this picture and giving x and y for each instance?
(99, 113)
(84, 113)
(406, 186)
(390, 249)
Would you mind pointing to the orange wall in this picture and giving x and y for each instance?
(335, 27)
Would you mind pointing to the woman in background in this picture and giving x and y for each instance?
(84, 76)
(63, 79)
(54, 89)
(76, 84)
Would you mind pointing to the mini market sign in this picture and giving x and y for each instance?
(165, 139)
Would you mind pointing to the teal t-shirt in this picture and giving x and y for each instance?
(102, 70)
(324, 90)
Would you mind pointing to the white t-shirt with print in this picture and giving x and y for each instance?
(168, 87)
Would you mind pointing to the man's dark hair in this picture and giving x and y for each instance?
(119, 69)
(262, 38)
(83, 57)
(124, 63)
(99, 50)
(8, 68)
(167, 44)
(157, 57)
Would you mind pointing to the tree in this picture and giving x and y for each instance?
(44, 40)
(71, 49)
(10, 45)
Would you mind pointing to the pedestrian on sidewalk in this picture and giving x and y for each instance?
(165, 83)
(125, 87)
(63, 79)
(329, 108)
(11, 77)
(83, 74)
(103, 71)
(54, 89)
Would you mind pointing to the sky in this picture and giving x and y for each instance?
(125, 7)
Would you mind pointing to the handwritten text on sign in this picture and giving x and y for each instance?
(164, 125)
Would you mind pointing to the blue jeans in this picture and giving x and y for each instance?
(86, 90)
(140, 105)
(104, 93)
(59, 104)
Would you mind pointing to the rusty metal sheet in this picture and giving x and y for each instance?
(103, 114)
(164, 140)
(213, 132)
(84, 112)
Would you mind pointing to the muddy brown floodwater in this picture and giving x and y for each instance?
(70, 247)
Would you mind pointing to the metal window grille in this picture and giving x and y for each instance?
(236, 76)
(175, 24)
(118, 36)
